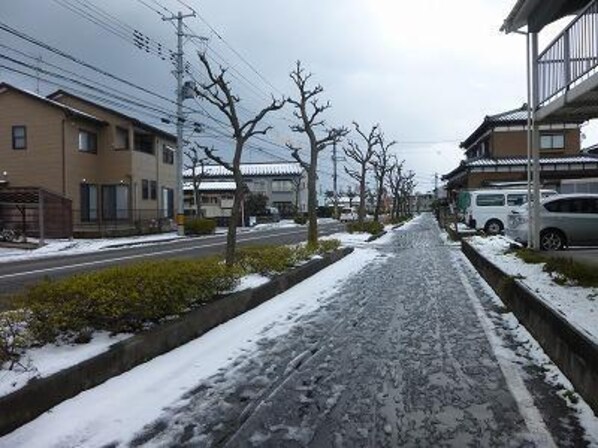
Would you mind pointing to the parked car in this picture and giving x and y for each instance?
(348, 214)
(488, 210)
(565, 220)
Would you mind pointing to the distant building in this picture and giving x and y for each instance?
(496, 154)
(283, 183)
(216, 200)
(117, 171)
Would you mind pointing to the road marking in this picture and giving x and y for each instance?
(132, 257)
(525, 402)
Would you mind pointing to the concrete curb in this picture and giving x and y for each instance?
(40, 395)
(571, 349)
(376, 236)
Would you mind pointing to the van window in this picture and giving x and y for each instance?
(516, 199)
(490, 200)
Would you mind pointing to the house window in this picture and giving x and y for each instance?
(121, 138)
(144, 189)
(19, 137)
(89, 203)
(88, 141)
(153, 187)
(282, 185)
(115, 202)
(552, 141)
(144, 143)
(167, 155)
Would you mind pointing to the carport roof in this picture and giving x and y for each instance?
(536, 14)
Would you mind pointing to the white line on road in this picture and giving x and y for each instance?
(530, 413)
(132, 257)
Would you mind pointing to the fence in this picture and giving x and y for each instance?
(93, 223)
(35, 212)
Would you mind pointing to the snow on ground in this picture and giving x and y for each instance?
(282, 224)
(464, 228)
(349, 239)
(578, 305)
(251, 281)
(117, 409)
(44, 361)
(529, 351)
(80, 246)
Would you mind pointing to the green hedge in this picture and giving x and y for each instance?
(300, 219)
(372, 227)
(200, 226)
(268, 260)
(124, 299)
(129, 298)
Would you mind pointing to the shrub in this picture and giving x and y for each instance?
(200, 226)
(266, 259)
(326, 246)
(300, 219)
(14, 336)
(124, 299)
(372, 227)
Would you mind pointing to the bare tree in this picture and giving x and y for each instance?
(308, 111)
(362, 155)
(381, 162)
(395, 182)
(297, 182)
(218, 92)
(197, 166)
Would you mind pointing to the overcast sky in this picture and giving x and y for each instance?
(427, 71)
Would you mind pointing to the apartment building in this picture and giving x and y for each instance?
(118, 171)
(283, 183)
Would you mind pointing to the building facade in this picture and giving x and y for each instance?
(118, 171)
(496, 154)
(284, 183)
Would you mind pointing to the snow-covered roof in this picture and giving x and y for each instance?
(50, 102)
(587, 161)
(253, 169)
(212, 186)
(516, 161)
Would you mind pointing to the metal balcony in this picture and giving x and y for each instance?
(568, 69)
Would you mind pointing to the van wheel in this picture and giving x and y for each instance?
(493, 227)
(552, 239)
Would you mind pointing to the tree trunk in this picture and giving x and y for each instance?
(378, 202)
(312, 200)
(361, 215)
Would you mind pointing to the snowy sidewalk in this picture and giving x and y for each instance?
(392, 346)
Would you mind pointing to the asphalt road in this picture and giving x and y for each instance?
(16, 276)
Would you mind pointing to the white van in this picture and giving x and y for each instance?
(488, 209)
(348, 214)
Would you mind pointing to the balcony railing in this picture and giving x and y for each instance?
(571, 57)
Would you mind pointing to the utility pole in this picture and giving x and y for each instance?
(179, 72)
(436, 185)
(37, 72)
(335, 179)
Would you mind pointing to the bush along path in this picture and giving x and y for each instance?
(130, 299)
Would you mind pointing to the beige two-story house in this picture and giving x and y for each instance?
(118, 172)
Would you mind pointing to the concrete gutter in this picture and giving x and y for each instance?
(40, 395)
(570, 348)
